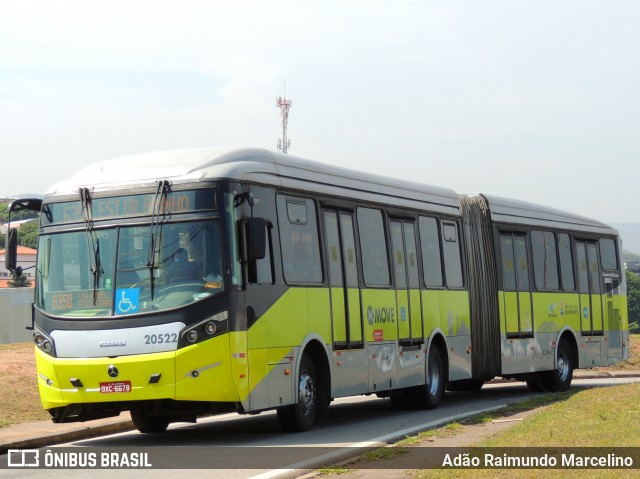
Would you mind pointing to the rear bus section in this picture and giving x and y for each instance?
(561, 295)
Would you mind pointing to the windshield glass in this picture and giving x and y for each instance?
(122, 271)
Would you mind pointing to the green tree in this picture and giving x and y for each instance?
(4, 212)
(16, 215)
(28, 234)
(633, 301)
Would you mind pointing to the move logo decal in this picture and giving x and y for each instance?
(380, 315)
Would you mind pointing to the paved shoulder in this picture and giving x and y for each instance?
(46, 433)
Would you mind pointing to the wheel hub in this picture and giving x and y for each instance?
(306, 393)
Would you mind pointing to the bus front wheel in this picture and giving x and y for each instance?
(149, 424)
(299, 417)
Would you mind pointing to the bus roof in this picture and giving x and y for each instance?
(261, 166)
(505, 210)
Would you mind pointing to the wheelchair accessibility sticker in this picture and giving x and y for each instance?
(127, 300)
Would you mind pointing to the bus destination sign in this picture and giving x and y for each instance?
(74, 300)
(129, 206)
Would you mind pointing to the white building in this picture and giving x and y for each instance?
(26, 258)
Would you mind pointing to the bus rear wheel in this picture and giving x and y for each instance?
(468, 385)
(149, 424)
(429, 395)
(560, 378)
(299, 417)
(534, 383)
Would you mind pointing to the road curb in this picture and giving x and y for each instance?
(38, 439)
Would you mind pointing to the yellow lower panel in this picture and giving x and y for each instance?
(137, 370)
(48, 383)
(210, 360)
(204, 373)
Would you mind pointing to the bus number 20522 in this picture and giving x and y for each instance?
(160, 338)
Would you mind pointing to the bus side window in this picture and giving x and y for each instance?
(430, 245)
(299, 240)
(545, 260)
(452, 255)
(373, 245)
(594, 268)
(566, 262)
(508, 262)
(608, 257)
(583, 271)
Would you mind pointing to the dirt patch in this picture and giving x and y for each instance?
(19, 399)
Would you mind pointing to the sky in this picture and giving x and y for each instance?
(533, 100)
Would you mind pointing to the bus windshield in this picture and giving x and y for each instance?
(128, 269)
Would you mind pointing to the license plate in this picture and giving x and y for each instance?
(115, 387)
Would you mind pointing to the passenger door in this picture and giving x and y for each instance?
(405, 262)
(516, 285)
(589, 287)
(343, 280)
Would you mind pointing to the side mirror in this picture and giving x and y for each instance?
(256, 238)
(253, 239)
(11, 251)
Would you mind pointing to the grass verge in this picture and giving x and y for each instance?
(598, 417)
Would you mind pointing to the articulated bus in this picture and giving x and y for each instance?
(193, 282)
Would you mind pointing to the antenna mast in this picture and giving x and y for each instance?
(284, 105)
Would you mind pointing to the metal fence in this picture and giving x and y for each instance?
(15, 315)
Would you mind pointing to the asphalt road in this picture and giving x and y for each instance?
(250, 446)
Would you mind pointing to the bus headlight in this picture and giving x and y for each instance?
(192, 336)
(205, 329)
(43, 342)
(210, 328)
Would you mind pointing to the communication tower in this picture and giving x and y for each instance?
(284, 105)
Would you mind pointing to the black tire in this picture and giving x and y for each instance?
(400, 400)
(469, 385)
(560, 378)
(534, 383)
(148, 424)
(429, 395)
(300, 416)
(323, 395)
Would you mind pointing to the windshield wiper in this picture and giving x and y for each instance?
(97, 271)
(93, 244)
(159, 204)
